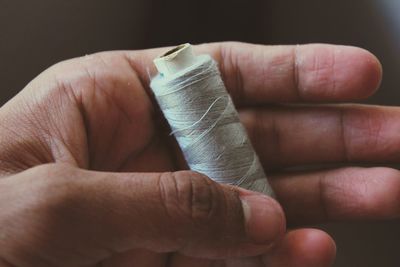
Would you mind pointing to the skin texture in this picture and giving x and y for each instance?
(91, 177)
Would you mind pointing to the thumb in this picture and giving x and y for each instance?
(187, 212)
(99, 213)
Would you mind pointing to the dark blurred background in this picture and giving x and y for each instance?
(36, 34)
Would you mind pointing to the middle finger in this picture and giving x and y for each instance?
(302, 135)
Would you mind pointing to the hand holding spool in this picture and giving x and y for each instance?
(128, 201)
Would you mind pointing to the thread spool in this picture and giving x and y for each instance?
(190, 92)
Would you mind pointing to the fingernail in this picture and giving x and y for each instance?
(264, 218)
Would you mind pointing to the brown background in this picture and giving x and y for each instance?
(37, 34)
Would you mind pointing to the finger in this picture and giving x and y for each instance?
(303, 73)
(101, 214)
(324, 134)
(339, 195)
(303, 248)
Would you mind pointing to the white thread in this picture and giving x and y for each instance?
(205, 123)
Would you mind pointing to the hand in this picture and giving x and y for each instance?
(114, 195)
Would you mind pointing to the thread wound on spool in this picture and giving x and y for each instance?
(190, 92)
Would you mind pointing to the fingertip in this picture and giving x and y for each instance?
(370, 72)
(314, 247)
(358, 72)
(305, 247)
(337, 73)
(379, 198)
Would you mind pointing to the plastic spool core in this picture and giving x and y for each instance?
(175, 60)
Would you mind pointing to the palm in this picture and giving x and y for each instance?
(98, 115)
(121, 128)
(103, 123)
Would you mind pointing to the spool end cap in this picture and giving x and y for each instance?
(175, 60)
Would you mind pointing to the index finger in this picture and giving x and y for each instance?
(256, 74)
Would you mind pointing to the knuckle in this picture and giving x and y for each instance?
(191, 196)
(45, 203)
(50, 173)
(53, 185)
(315, 71)
(364, 128)
(78, 73)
